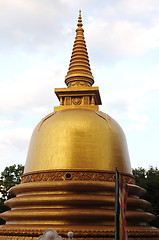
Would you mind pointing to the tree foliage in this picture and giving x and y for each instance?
(10, 177)
(149, 180)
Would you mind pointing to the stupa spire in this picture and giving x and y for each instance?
(79, 24)
(79, 72)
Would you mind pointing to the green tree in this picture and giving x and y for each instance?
(10, 177)
(149, 180)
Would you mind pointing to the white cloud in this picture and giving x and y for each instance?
(6, 122)
(135, 7)
(13, 145)
(121, 38)
(31, 89)
(17, 138)
(31, 24)
(128, 105)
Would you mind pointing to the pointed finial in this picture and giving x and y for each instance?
(79, 72)
(79, 20)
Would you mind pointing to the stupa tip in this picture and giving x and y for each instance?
(79, 20)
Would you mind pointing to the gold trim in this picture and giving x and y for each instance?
(61, 175)
(19, 232)
(79, 83)
(45, 118)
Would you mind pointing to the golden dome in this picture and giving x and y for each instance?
(78, 139)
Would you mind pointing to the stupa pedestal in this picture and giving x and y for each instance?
(82, 202)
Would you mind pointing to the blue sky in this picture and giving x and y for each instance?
(122, 38)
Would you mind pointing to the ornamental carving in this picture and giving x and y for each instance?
(74, 175)
(79, 71)
(77, 101)
(79, 83)
(32, 234)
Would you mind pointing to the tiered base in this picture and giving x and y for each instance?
(82, 202)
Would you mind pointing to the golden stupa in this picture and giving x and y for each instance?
(68, 183)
